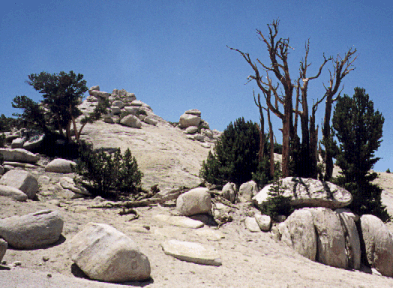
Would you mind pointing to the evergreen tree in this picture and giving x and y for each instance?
(358, 127)
(235, 156)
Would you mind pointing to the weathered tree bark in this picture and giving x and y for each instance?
(271, 135)
(342, 67)
(261, 128)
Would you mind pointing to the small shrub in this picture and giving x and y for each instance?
(277, 204)
(388, 171)
(141, 112)
(109, 175)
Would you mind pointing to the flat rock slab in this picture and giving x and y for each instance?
(180, 221)
(306, 192)
(192, 252)
(210, 234)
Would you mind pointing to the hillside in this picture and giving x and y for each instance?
(168, 157)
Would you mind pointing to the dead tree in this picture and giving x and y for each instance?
(278, 54)
(342, 67)
(282, 104)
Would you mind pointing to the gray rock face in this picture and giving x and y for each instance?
(191, 130)
(298, 232)
(32, 230)
(251, 224)
(330, 238)
(131, 121)
(19, 155)
(99, 94)
(247, 191)
(229, 192)
(192, 252)
(264, 222)
(60, 166)
(34, 143)
(352, 241)
(150, 120)
(3, 248)
(68, 183)
(18, 143)
(12, 192)
(195, 201)
(104, 253)
(187, 120)
(378, 243)
(194, 112)
(22, 180)
(118, 103)
(179, 221)
(306, 192)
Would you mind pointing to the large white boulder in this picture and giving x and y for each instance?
(307, 192)
(192, 252)
(378, 242)
(187, 120)
(18, 155)
(330, 238)
(106, 254)
(32, 230)
(22, 180)
(195, 201)
(298, 232)
(131, 121)
(60, 166)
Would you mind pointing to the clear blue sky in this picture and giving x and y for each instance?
(173, 54)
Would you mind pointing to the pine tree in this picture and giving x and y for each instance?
(358, 127)
(235, 155)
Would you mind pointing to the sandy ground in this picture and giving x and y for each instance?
(249, 259)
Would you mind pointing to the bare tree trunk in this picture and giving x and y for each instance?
(271, 135)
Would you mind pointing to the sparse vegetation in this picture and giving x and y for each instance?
(109, 175)
(277, 204)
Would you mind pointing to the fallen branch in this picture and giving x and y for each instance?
(158, 199)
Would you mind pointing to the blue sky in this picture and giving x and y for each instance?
(173, 54)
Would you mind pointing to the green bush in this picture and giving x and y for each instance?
(235, 156)
(109, 175)
(388, 171)
(277, 204)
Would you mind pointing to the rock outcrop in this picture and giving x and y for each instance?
(307, 192)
